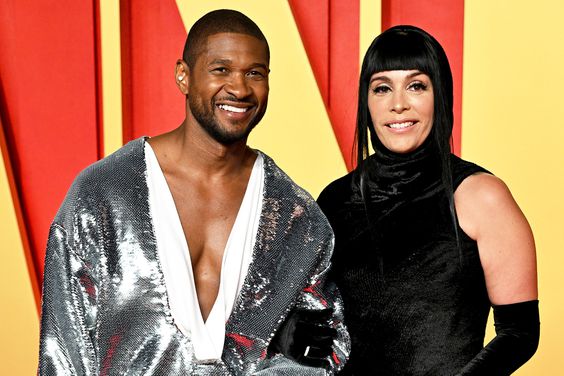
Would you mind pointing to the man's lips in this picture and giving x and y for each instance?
(230, 108)
(236, 111)
(233, 105)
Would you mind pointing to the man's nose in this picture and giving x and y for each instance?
(238, 86)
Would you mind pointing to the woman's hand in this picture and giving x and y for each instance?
(306, 337)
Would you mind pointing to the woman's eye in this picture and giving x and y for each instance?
(417, 86)
(381, 89)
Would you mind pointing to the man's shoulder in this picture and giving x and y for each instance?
(119, 171)
(280, 185)
(127, 160)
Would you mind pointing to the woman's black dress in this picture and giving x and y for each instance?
(415, 298)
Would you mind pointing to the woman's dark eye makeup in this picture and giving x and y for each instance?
(417, 86)
(380, 89)
(381, 86)
(414, 86)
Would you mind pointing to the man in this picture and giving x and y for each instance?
(184, 253)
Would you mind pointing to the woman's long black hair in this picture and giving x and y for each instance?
(407, 47)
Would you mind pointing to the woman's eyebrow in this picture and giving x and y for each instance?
(416, 73)
(380, 78)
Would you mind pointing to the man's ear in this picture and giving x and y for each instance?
(181, 73)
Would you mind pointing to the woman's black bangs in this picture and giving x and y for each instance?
(400, 52)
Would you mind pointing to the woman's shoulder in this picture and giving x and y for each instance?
(477, 185)
(488, 213)
(338, 192)
(483, 188)
(462, 169)
(480, 196)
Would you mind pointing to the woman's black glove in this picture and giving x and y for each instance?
(306, 337)
(517, 329)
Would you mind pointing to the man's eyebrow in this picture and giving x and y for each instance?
(229, 62)
(220, 61)
(259, 65)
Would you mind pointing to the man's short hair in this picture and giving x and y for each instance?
(214, 22)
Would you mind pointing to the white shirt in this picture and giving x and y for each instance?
(172, 248)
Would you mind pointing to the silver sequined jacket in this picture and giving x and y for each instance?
(105, 308)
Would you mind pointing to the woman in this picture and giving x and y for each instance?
(426, 242)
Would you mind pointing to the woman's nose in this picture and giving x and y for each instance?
(399, 102)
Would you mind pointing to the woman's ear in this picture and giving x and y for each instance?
(181, 76)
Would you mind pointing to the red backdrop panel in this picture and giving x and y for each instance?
(330, 34)
(152, 38)
(48, 78)
(314, 32)
(444, 19)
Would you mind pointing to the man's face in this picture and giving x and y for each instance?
(228, 86)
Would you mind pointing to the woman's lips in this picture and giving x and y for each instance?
(401, 125)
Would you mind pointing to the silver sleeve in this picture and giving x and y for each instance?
(68, 311)
(321, 293)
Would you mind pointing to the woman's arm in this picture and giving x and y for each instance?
(488, 214)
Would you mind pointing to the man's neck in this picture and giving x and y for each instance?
(190, 149)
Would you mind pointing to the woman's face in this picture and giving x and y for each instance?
(401, 106)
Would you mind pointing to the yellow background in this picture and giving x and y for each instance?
(19, 325)
(512, 124)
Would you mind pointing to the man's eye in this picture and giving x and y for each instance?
(219, 70)
(255, 74)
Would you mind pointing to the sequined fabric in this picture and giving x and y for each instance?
(105, 309)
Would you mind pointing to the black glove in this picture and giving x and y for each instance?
(306, 337)
(517, 329)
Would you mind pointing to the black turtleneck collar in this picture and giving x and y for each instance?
(391, 178)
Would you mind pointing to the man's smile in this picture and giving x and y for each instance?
(226, 107)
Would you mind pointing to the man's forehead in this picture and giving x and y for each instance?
(224, 46)
(229, 38)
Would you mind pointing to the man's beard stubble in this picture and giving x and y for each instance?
(214, 128)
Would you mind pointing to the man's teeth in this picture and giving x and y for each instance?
(401, 125)
(232, 108)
